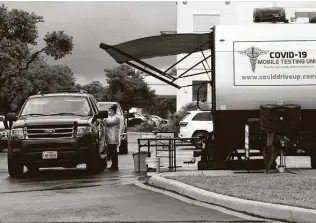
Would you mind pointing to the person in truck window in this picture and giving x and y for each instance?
(112, 125)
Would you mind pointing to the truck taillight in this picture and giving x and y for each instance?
(183, 124)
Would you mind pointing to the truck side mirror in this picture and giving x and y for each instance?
(102, 114)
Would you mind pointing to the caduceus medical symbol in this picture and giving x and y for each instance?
(253, 53)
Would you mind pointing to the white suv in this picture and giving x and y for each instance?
(196, 124)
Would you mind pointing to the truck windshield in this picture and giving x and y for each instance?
(53, 105)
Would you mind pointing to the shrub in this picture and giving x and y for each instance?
(174, 119)
(170, 127)
(143, 127)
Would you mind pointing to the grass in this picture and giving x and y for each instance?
(280, 188)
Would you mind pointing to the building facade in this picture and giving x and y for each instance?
(199, 17)
(162, 89)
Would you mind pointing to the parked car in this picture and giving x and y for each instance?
(135, 119)
(158, 120)
(57, 130)
(140, 116)
(196, 124)
(3, 135)
(104, 106)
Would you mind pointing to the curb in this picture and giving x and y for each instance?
(199, 173)
(262, 209)
(143, 184)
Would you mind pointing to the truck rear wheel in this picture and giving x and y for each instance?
(96, 163)
(15, 168)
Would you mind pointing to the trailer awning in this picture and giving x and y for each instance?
(157, 46)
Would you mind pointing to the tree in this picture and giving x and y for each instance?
(175, 119)
(164, 106)
(44, 77)
(128, 88)
(95, 88)
(18, 34)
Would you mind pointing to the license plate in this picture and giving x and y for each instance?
(49, 155)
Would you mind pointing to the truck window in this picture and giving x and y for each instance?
(2, 126)
(94, 106)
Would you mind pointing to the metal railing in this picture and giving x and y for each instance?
(163, 144)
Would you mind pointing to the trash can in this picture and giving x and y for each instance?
(140, 161)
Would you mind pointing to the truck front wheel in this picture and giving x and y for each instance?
(15, 168)
(313, 161)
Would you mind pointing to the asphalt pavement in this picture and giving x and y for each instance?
(66, 195)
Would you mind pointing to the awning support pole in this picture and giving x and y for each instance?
(191, 68)
(154, 75)
(190, 75)
(190, 85)
(189, 54)
(105, 46)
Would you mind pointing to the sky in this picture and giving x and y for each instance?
(91, 23)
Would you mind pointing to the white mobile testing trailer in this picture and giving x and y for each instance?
(263, 79)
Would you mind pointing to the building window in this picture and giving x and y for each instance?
(202, 92)
(204, 22)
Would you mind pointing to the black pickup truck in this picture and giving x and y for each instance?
(61, 129)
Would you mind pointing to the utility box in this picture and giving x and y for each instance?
(140, 161)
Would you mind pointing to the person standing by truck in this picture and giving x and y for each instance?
(112, 125)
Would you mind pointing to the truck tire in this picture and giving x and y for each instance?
(15, 168)
(313, 161)
(95, 163)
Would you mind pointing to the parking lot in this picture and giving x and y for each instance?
(73, 195)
